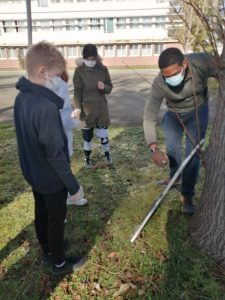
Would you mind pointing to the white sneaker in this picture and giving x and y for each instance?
(78, 202)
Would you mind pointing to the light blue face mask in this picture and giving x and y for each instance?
(53, 83)
(176, 79)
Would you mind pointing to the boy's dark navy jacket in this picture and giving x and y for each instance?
(42, 143)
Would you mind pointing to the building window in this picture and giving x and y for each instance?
(160, 22)
(56, 1)
(58, 25)
(44, 25)
(12, 53)
(22, 52)
(72, 51)
(146, 50)
(83, 24)
(13, 1)
(68, 1)
(42, 3)
(108, 25)
(121, 23)
(109, 51)
(134, 23)
(9, 26)
(7, 2)
(95, 24)
(121, 50)
(160, 19)
(147, 22)
(71, 24)
(2, 53)
(34, 25)
(134, 50)
(159, 25)
(81, 0)
(21, 26)
(158, 48)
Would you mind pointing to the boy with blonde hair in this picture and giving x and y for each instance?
(43, 152)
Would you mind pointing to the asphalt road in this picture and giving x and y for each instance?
(126, 102)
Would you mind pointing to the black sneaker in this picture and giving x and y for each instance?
(71, 265)
(87, 163)
(47, 256)
(108, 158)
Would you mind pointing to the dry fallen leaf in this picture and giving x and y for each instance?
(139, 279)
(97, 286)
(77, 297)
(122, 290)
(2, 271)
(128, 274)
(141, 292)
(160, 255)
(133, 286)
(113, 255)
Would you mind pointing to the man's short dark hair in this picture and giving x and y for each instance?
(169, 57)
(89, 50)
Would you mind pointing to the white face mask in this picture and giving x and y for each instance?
(90, 63)
(53, 83)
(176, 79)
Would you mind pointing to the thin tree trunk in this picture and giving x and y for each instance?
(208, 224)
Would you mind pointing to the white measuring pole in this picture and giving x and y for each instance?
(156, 203)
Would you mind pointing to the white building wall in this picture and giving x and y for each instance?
(102, 22)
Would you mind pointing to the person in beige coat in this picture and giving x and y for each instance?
(91, 83)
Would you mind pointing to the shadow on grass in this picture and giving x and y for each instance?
(188, 273)
(11, 179)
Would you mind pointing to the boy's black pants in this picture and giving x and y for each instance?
(50, 213)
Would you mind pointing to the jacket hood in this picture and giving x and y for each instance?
(24, 85)
(80, 60)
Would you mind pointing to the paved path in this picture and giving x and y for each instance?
(126, 103)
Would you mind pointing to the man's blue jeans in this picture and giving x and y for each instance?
(173, 136)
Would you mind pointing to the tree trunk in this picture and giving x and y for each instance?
(208, 224)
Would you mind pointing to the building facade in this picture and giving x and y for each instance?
(132, 32)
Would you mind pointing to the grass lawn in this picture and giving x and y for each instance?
(161, 264)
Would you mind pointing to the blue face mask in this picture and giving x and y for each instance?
(176, 79)
(53, 83)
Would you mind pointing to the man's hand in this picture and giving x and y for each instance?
(160, 158)
(79, 195)
(76, 113)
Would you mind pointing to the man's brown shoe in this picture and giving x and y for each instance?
(188, 208)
